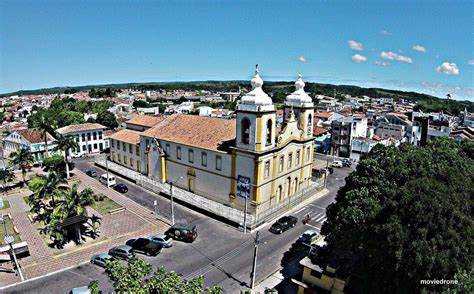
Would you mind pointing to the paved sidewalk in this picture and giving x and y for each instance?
(115, 229)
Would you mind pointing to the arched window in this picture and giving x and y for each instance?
(245, 130)
(310, 124)
(288, 182)
(269, 132)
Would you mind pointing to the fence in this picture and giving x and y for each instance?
(265, 211)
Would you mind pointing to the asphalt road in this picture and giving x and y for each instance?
(221, 253)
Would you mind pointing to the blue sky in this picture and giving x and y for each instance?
(67, 43)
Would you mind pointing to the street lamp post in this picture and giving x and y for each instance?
(254, 265)
(9, 240)
(107, 170)
(171, 199)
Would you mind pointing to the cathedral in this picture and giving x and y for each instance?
(230, 160)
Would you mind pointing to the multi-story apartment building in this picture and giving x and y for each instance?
(89, 137)
(344, 130)
(32, 140)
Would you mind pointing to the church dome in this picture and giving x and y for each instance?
(299, 96)
(256, 96)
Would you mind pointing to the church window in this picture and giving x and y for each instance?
(297, 157)
(266, 172)
(280, 164)
(218, 162)
(290, 159)
(269, 132)
(191, 155)
(310, 125)
(178, 152)
(245, 130)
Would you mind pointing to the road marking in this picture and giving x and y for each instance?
(320, 218)
(317, 206)
(314, 227)
(299, 210)
(316, 216)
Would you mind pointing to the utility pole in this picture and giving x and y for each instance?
(245, 216)
(172, 206)
(9, 240)
(254, 267)
(107, 169)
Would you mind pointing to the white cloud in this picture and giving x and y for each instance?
(448, 68)
(394, 56)
(471, 62)
(419, 48)
(385, 33)
(355, 45)
(302, 59)
(358, 58)
(382, 63)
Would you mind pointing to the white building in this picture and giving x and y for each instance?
(89, 137)
(31, 140)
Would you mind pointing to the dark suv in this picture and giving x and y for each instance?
(144, 246)
(182, 232)
(346, 162)
(283, 224)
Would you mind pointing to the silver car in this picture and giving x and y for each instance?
(164, 240)
(122, 251)
(101, 259)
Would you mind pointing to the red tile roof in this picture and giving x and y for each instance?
(317, 131)
(198, 131)
(35, 136)
(128, 136)
(325, 115)
(145, 120)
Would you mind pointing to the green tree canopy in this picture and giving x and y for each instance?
(137, 276)
(107, 119)
(406, 213)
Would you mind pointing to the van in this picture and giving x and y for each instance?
(103, 179)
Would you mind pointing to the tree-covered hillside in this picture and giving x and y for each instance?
(278, 91)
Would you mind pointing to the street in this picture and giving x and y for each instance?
(221, 253)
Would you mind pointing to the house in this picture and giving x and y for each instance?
(143, 122)
(125, 148)
(361, 145)
(32, 140)
(205, 110)
(397, 125)
(89, 137)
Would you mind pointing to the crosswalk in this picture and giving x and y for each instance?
(318, 217)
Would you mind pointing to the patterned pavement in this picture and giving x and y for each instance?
(115, 229)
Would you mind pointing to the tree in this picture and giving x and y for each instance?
(406, 214)
(140, 104)
(6, 175)
(23, 159)
(45, 126)
(57, 163)
(45, 187)
(65, 144)
(107, 119)
(181, 100)
(137, 276)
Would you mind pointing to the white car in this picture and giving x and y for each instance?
(336, 163)
(308, 237)
(164, 240)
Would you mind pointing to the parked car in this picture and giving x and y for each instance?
(283, 224)
(145, 246)
(122, 251)
(91, 173)
(336, 163)
(163, 240)
(80, 290)
(346, 162)
(101, 259)
(111, 179)
(308, 237)
(122, 188)
(182, 232)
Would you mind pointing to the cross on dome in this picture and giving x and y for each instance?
(299, 96)
(256, 81)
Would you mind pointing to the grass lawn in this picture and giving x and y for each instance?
(6, 204)
(106, 206)
(9, 224)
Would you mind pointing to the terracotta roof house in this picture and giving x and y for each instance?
(143, 122)
(33, 140)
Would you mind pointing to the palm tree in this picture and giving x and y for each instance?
(46, 187)
(6, 175)
(23, 159)
(66, 143)
(45, 126)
